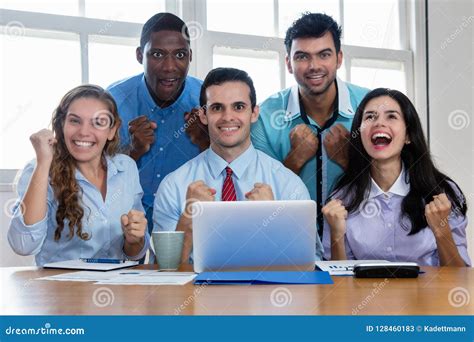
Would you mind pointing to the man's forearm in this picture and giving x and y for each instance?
(135, 154)
(293, 163)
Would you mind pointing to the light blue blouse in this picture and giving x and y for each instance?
(101, 218)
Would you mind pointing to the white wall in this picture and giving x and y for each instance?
(451, 93)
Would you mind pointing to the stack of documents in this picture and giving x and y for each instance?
(127, 277)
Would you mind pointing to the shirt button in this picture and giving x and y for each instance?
(389, 249)
(389, 225)
(161, 148)
(162, 121)
(158, 176)
(153, 109)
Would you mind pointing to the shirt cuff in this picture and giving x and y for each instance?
(27, 239)
(143, 251)
(19, 226)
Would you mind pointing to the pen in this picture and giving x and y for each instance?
(130, 273)
(102, 261)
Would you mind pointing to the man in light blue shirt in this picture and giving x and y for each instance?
(306, 126)
(152, 104)
(231, 167)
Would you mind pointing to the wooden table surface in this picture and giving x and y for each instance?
(439, 291)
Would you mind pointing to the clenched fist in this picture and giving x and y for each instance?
(43, 143)
(336, 215)
(134, 226)
(437, 212)
(195, 129)
(336, 143)
(197, 191)
(304, 143)
(260, 192)
(142, 132)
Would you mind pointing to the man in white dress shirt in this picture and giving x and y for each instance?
(231, 169)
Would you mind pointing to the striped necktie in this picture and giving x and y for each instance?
(228, 189)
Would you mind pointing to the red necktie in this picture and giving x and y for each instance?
(228, 190)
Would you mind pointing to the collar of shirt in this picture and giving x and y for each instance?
(400, 187)
(345, 108)
(113, 167)
(217, 164)
(148, 99)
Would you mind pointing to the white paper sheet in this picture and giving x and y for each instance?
(126, 277)
(78, 264)
(94, 276)
(157, 278)
(342, 267)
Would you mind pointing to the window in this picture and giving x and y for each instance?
(377, 28)
(137, 11)
(236, 17)
(374, 52)
(260, 66)
(290, 10)
(32, 84)
(373, 73)
(63, 7)
(45, 53)
(49, 47)
(105, 52)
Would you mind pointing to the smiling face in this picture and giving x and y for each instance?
(165, 59)
(87, 128)
(383, 129)
(314, 63)
(228, 116)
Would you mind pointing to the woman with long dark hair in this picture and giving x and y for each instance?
(393, 203)
(79, 198)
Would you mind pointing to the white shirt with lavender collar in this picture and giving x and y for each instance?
(376, 230)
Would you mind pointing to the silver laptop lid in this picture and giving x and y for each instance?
(254, 235)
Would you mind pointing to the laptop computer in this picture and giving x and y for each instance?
(254, 235)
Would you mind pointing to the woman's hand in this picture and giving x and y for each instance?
(43, 143)
(437, 213)
(134, 226)
(336, 215)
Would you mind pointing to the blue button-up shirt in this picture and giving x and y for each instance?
(376, 231)
(101, 218)
(280, 113)
(250, 167)
(172, 146)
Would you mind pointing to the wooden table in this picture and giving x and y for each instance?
(439, 291)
